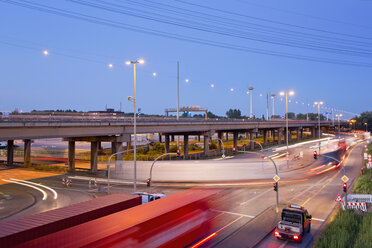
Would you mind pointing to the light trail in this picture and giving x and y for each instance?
(28, 185)
(40, 185)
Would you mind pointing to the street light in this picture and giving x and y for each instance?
(338, 117)
(319, 103)
(46, 52)
(134, 100)
(273, 99)
(286, 93)
(250, 88)
(365, 123)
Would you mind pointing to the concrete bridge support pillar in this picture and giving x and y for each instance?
(115, 148)
(298, 134)
(172, 138)
(206, 144)
(301, 133)
(185, 146)
(129, 145)
(27, 152)
(289, 135)
(10, 151)
(264, 133)
(93, 156)
(313, 132)
(198, 138)
(235, 140)
(71, 156)
(227, 136)
(160, 138)
(166, 143)
(280, 133)
(219, 141)
(251, 142)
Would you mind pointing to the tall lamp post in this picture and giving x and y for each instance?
(134, 100)
(319, 103)
(250, 89)
(273, 99)
(286, 93)
(338, 118)
(365, 123)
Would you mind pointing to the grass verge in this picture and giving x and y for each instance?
(349, 229)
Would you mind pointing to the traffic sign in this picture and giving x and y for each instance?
(344, 178)
(276, 178)
(338, 198)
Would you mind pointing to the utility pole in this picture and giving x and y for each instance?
(178, 97)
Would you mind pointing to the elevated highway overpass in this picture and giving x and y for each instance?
(117, 130)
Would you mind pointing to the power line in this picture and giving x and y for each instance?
(120, 25)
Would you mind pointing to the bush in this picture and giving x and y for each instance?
(212, 145)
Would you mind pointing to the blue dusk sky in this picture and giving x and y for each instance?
(320, 49)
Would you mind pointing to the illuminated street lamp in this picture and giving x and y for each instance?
(46, 52)
(286, 93)
(365, 123)
(134, 100)
(319, 103)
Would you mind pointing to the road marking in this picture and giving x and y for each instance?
(232, 222)
(318, 219)
(255, 197)
(331, 179)
(284, 244)
(241, 215)
(28, 185)
(37, 184)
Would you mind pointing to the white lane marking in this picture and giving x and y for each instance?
(255, 197)
(38, 184)
(279, 156)
(318, 219)
(226, 212)
(284, 244)
(273, 155)
(28, 185)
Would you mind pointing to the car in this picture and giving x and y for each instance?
(295, 223)
(148, 197)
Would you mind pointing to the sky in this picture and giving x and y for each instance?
(320, 49)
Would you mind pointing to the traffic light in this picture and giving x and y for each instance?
(148, 182)
(178, 153)
(234, 150)
(344, 186)
(275, 185)
(315, 155)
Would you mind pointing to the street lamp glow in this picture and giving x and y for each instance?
(141, 61)
(212, 85)
(231, 89)
(110, 65)
(154, 74)
(260, 94)
(187, 80)
(291, 93)
(127, 63)
(46, 52)
(282, 93)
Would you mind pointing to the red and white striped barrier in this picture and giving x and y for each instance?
(93, 183)
(355, 205)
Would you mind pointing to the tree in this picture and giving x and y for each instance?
(365, 117)
(234, 113)
(211, 115)
(291, 115)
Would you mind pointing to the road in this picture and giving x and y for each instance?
(241, 207)
(242, 203)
